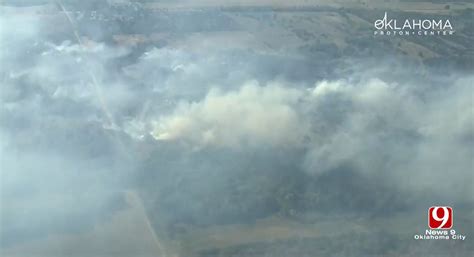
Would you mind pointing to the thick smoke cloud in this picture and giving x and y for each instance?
(391, 128)
(380, 128)
(252, 116)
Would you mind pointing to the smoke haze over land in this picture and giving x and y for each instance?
(257, 127)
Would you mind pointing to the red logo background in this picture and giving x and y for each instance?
(440, 217)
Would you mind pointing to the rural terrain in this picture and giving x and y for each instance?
(98, 166)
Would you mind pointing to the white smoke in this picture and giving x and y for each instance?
(376, 127)
(253, 115)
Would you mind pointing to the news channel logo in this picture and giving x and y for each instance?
(440, 225)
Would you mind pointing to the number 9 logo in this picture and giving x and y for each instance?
(440, 217)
